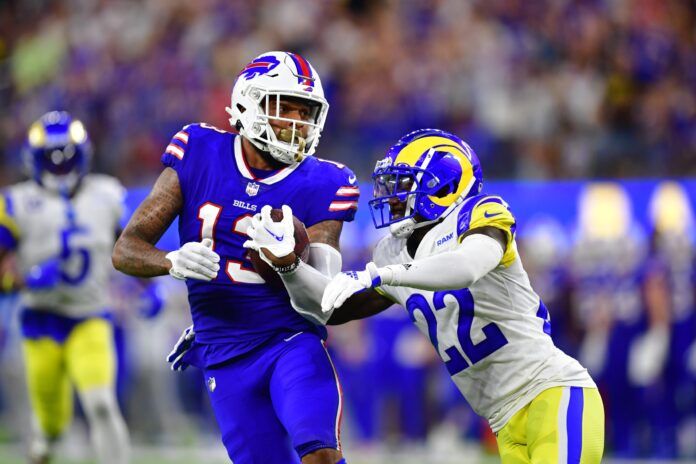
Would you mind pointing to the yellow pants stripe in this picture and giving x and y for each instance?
(561, 425)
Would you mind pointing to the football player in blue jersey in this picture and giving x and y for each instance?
(60, 226)
(271, 382)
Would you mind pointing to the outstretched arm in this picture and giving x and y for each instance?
(360, 306)
(478, 254)
(307, 284)
(135, 252)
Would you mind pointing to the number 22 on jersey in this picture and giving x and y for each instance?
(493, 341)
(237, 270)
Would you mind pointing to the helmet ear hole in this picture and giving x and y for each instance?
(444, 191)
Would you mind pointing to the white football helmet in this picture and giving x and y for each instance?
(256, 98)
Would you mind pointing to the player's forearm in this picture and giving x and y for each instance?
(360, 306)
(307, 283)
(476, 256)
(137, 257)
(135, 252)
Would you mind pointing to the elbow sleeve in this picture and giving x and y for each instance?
(307, 283)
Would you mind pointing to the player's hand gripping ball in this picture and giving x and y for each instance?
(268, 230)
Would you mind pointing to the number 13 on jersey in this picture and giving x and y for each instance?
(238, 270)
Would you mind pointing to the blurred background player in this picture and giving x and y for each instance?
(607, 253)
(451, 260)
(659, 360)
(60, 227)
(271, 382)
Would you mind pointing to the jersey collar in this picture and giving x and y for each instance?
(244, 170)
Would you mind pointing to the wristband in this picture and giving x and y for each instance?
(289, 268)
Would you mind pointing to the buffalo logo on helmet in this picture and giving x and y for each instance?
(260, 66)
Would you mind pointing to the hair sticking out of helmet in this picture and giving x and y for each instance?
(423, 177)
(278, 104)
(57, 152)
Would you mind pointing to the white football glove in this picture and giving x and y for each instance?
(194, 260)
(181, 348)
(345, 284)
(276, 237)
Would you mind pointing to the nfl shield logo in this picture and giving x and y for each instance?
(252, 189)
(211, 384)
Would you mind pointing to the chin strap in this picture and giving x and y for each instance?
(404, 229)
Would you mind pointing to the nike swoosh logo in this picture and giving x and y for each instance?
(485, 214)
(277, 237)
(290, 338)
(352, 179)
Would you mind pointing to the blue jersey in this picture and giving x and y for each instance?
(238, 311)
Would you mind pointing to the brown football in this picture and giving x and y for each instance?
(301, 250)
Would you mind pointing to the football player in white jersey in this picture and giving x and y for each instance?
(452, 262)
(61, 226)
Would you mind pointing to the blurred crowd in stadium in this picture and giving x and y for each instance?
(542, 90)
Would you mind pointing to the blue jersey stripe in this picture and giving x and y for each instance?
(574, 424)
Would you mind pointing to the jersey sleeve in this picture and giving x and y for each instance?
(337, 196)
(175, 153)
(491, 211)
(9, 228)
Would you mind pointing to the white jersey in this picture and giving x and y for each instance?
(79, 231)
(494, 336)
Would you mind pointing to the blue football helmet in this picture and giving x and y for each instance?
(57, 152)
(423, 177)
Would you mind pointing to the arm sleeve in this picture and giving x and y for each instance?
(307, 283)
(475, 257)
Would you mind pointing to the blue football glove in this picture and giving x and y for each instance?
(43, 276)
(151, 301)
(182, 346)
